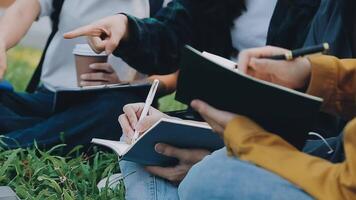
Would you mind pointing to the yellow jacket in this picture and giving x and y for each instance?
(335, 81)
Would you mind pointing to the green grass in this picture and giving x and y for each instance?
(36, 174)
(21, 64)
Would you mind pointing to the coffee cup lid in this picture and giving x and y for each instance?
(86, 50)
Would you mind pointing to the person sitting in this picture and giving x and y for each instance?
(327, 77)
(249, 142)
(138, 181)
(28, 117)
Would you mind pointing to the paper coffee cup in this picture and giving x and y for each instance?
(85, 56)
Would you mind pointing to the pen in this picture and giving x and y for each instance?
(301, 52)
(148, 103)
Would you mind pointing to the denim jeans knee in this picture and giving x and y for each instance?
(221, 177)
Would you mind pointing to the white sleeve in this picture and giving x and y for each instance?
(46, 7)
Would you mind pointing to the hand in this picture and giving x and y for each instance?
(293, 74)
(104, 74)
(129, 120)
(3, 61)
(217, 119)
(103, 35)
(187, 158)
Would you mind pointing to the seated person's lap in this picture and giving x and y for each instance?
(95, 118)
(211, 178)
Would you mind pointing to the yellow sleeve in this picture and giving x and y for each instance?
(318, 177)
(334, 80)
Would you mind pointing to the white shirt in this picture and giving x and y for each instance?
(251, 28)
(59, 64)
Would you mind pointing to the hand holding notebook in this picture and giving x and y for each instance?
(286, 112)
(279, 66)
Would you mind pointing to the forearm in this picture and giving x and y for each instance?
(16, 21)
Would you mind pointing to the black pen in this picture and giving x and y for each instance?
(301, 52)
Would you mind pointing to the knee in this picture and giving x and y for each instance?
(204, 178)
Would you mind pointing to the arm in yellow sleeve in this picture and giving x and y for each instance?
(334, 80)
(318, 177)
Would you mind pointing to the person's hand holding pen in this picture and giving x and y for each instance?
(294, 74)
(130, 123)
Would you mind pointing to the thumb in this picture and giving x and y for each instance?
(206, 110)
(170, 151)
(97, 44)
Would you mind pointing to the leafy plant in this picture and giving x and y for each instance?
(36, 174)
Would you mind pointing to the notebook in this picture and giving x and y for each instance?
(215, 80)
(66, 97)
(175, 132)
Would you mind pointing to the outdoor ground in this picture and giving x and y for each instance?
(36, 174)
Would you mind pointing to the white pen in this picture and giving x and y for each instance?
(148, 103)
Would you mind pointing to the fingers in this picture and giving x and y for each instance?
(132, 111)
(118, 32)
(170, 151)
(104, 74)
(127, 129)
(103, 35)
(94, 32)
(221, 117)
(97, 44)
(106, 67)
(265, 66)
(91, 30)
(185, 156)
(97, 76)
(145, 124)
(91, 83)
(163, 172)
(246, 56)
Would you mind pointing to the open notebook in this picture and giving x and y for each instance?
(289, 113)
(175, 132)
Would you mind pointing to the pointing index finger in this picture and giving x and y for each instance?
(91, 30)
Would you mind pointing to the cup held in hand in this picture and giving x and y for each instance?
(84, 57)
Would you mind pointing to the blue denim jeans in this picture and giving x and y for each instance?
(25, 118)
(216, 177)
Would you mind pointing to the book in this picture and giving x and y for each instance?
(215, 80)
(176, 132)
(65, 97)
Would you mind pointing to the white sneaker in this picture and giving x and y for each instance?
(113, 181)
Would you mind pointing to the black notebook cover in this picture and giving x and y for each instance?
(175, 133)
(68, 97)
(279, 110)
